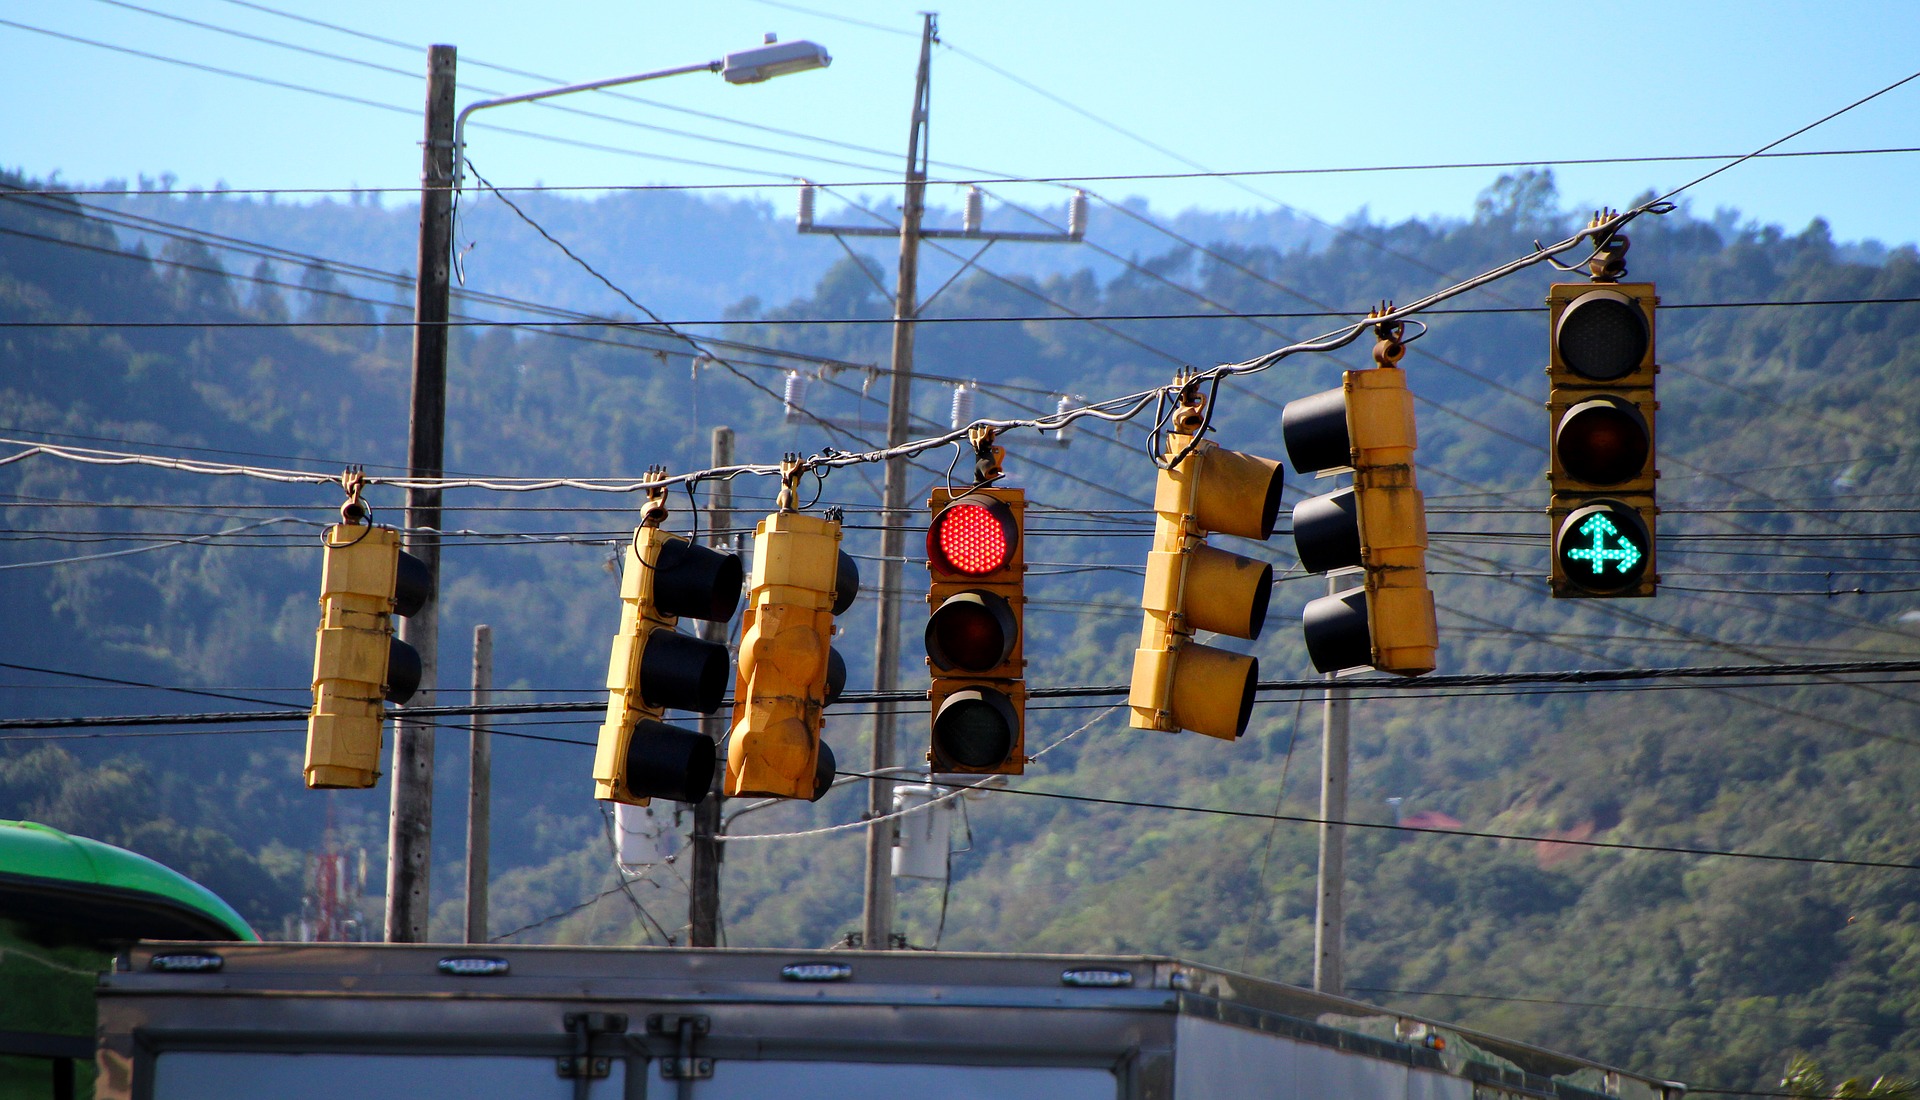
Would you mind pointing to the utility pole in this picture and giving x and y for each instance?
(877, 907)
(1330, 925)
(410, 827)
(877, 930)
(479, 788)
(703, 891)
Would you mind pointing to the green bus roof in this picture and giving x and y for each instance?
(101, 892)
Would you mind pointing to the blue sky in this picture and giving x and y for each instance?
(1226, 84)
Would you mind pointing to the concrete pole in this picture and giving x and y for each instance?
(410, 826)
(479, 788)
(1330, 926)
(877, 932)
(703, 893)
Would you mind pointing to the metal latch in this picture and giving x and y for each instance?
(583, 1063)
(685, 1031)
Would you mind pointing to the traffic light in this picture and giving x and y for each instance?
(1379, 523)
(365, 580)
(975, 643)
(1202, 489)
(1600, 402)
(655, 667)
(788, 668)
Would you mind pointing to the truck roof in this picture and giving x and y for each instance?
(606, 976)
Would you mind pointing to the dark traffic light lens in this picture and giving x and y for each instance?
(1603, 441)
(1604, 547)
(1602, 336)
(971, 631)
(975, 535)
(974, 729)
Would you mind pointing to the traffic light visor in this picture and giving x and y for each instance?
(1336, 630)
(846, 582)
(1326, 531)
(403, 671)
(971, 632)
(1227, 593)
(412, 584)
(668, 762)
(1238, 494)
(683, 673)
(1315, 431)
(1603, 441)
(1213, 690)
(696, 581)
(975, 535)
(1602, 336)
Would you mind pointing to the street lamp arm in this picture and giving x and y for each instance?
(460, 123)
(743, 67)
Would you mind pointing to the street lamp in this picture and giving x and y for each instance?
(409, 837)
(763, 62)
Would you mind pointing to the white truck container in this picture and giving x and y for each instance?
(188, 1021)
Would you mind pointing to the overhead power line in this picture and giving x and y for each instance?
(1389, 686)
(989, 180)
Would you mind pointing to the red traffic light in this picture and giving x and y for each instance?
(975, 535)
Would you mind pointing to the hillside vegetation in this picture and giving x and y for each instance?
(1788, 495)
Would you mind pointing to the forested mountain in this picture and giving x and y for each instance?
(1787, 395)
(693, 256)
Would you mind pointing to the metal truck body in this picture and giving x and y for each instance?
(422, 1022)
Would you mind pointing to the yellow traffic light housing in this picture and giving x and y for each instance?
(1379, 524)
(1202, 489)
(976, 649)
(1600, 404)
(358, 665)
(788, 671)
(654, 667)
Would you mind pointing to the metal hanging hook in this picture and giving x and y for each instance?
(355, 511)
(1191, 415)
(1390, 345)
(791, 467)
(986, 456)
(654, 512)
(1609, 260)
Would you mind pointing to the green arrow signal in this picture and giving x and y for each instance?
(1599, 528)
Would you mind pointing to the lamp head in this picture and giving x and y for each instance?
(773, 59)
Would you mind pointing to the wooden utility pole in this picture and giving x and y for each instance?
(877, 923)
(479, 788)
(703, 887)
(877, 908)
(410, 828)
(1330, 924)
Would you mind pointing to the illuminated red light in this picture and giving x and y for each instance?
(972, 536)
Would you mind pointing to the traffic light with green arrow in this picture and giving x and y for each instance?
(1600, 400)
